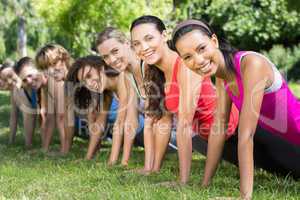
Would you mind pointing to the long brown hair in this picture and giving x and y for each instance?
(154, 77)
(83, 96)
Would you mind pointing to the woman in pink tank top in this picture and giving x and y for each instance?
(171, 89)
(259, 92)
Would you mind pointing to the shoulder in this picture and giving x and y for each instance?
(254, 63)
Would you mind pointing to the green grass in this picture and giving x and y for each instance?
(34, 175)
(295, 87)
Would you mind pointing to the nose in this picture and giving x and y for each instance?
(29, 80)
(199, 60)
(144, 46)
(112, 59)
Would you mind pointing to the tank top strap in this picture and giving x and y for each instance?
(175, 69)
(142, 65)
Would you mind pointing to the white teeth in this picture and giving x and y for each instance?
(148, 54)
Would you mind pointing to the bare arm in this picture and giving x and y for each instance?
(217, 134)
(118, 127)
(13, 118)
(69, 121)
(255, 74)
(131, 122)
(189, 84)
(96, 123)
(43, 110)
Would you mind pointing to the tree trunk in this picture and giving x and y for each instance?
(22, 37)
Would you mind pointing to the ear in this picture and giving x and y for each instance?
(165, 35)
(215, 40)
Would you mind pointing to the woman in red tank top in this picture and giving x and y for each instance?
(168, 90)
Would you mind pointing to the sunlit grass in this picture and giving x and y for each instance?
(34, 175)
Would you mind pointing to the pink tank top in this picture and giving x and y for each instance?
(280, 110)
(203, 117)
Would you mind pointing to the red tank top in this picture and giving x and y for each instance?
(203, 117)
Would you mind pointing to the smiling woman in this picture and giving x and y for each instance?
(269, 112)
(174, 91)
(98, 77)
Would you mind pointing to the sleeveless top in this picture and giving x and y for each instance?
(280, 110)
(203, 117)
(135, 83)
(31, 98)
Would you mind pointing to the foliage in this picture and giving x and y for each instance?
(10, 12)
(75, 22)
(286, 59)
(248, 24)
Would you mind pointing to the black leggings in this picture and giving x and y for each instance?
(271, 152)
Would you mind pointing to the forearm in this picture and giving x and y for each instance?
(116, 141)
(214, 153)
(13, 119)
(246, 166)
(29, 126)
(184, 143)
(93, 145)
(13, 125)
(148, 144)
(95, 132)
(69, 130)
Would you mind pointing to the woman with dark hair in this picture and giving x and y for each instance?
(269, 112)
(174, 89)
(87, 113)
(23, 99)
(98, 77)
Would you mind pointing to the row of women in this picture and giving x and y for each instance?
(150, 87)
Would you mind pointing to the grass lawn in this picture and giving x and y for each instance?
(34, 175)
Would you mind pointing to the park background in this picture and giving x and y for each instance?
(271, 27)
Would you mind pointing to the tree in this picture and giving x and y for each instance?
(21, 30)
(75, 22)
(248, 24)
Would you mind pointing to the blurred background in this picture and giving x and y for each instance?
(268, 26)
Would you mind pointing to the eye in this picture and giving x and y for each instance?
(105, 57)
(148, 37)
(135, 44)
(200, 49)
(115, 51)
(187, 58)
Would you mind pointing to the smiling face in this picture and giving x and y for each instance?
(58, 71)
(10, 78)
(31, 77)
(148, 42)
(199, 52)
(114, 53)
(92, 79)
